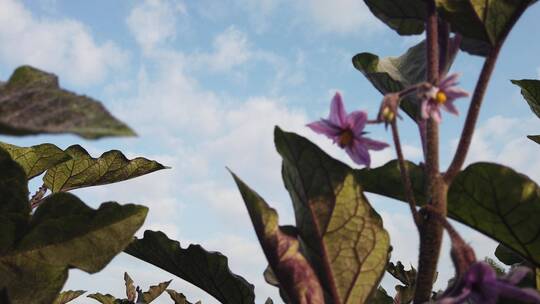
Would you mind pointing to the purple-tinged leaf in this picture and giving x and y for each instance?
(293, 272)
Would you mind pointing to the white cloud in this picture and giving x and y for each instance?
(497, 140)
(231, 49)
(341, 16)
(63, 46)
(154, 22)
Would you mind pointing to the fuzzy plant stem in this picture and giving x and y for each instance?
(405, 178)
(431, 230)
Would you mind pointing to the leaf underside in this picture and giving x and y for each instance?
(32, 102)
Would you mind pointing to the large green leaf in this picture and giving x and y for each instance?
(82, 170)
(206, 270)
(293, 272)
(343, 235)
(530, 89)
(499, 202)
(482, 20)
(68, 296)
(406, 17)
(32, 102)
(36, 159)
(65, 233)
(490, 198)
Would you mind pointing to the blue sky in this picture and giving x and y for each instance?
(204, 82)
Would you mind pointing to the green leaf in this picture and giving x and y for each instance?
(14, 205)
(269, 301)
(67, 296)
(65, 233)
(206, 270)
(393, 74)
(155, 291)
(36, 159)
(381, 297)
(535, 138)
(84, 171)
(405, 17)
(104, 299)
(490, 198)
(530, 89)
(507, 256)
(293, 272)
(488, 21)
(343, 235)
(498, 202)
(131, 292)
(386, 180)
(32, 102)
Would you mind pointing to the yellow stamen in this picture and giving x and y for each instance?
(345, 139)
(440, 97)
(387, 114)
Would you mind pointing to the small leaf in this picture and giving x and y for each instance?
(405, 17)
(530, 89)
(67, 296)
(36, 159)
(104, 299)
(131, 293)
(407, 277)
(487, 21)
(65, 233)
(343, 235)
(292, 270)
(84, 171)
(206, 270)
(535, 138)
(177, 297)
(269, 301)
(155, 291)
(32, 102)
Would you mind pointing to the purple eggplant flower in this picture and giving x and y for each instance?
(347, 131)
(442, 96)
(481, 285)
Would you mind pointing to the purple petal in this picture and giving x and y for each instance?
(450, 107)
(464, 295)
(372, 144)
(356, 122)
(436, 114)
(359, 154)
(425, 112)
(338, 115)
(528, 295)
(455, 92)
(325, 127)
(449, 81)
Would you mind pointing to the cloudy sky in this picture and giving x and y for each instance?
(204, 82)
